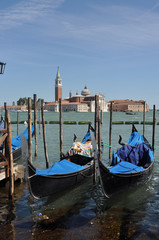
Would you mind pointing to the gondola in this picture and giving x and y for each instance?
(16, 142)
(131, 165)
(65, 174)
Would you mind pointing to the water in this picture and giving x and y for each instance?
(82, 213)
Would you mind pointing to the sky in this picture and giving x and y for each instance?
(110, 46)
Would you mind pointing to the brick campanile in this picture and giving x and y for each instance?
(58, 86)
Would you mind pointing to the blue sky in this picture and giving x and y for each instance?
(110, 46)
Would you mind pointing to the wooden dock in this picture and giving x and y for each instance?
(18, 172)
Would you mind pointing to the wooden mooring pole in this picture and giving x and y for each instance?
(154, 123)
(99, 138)
(110, 131)
(44, 135)
(96, 115)
(61, 129)
(144, 118)
(39, 117)
(97, 134)
(10, 156)
(17, 123)
(35, 123)
(30, 129)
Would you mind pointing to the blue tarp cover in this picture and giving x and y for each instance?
(16, 141)
(139, 155)
(135, 139)
(61, 167)
(125, 167)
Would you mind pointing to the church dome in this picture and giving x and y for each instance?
(85, 91)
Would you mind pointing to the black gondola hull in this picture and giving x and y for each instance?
(41, 186)
(114, 183)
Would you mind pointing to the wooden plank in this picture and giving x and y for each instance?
(2, 139)
(3, 131)
(3, 157)
(3, 164)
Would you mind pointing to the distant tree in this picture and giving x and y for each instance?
(22, 101)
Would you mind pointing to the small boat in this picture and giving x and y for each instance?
(65, 174)
(130, 113)
(16, 142)
(131, 165)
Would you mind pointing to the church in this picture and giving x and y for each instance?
(85, 102)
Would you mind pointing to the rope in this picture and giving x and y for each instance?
(105, 144)
(32, 176)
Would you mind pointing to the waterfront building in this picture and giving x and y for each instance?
(128, 105)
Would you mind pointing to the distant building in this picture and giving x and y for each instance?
(58, 86)
(78, 103)
(15, 108)
(128, 106)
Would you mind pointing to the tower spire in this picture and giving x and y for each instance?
(58, 86)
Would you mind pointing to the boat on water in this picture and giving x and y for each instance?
(16, 142)
(130, 113)
(131, 165)
(75, 168)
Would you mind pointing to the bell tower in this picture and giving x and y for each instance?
(58, 86)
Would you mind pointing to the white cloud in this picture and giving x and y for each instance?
(26, 11)
(109, 27)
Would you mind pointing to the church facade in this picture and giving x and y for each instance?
(85, 102)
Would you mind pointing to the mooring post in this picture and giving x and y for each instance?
(39, 116)
(110, 131)
(153, 132)
(5, 126)
(97, 134)
(10, 154)
(44, 136)
(144, 118)
(101, 116)
(99, 138)
(17, 123)
(30, 129)
(61, 128)
(96, 115)
(35, 123)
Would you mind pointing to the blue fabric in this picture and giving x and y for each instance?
(135, 139)
(2, 125)
(61, 167)
(115, 159)
(86, 137)
(16, 141)
(125, 167)
(139, 155)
